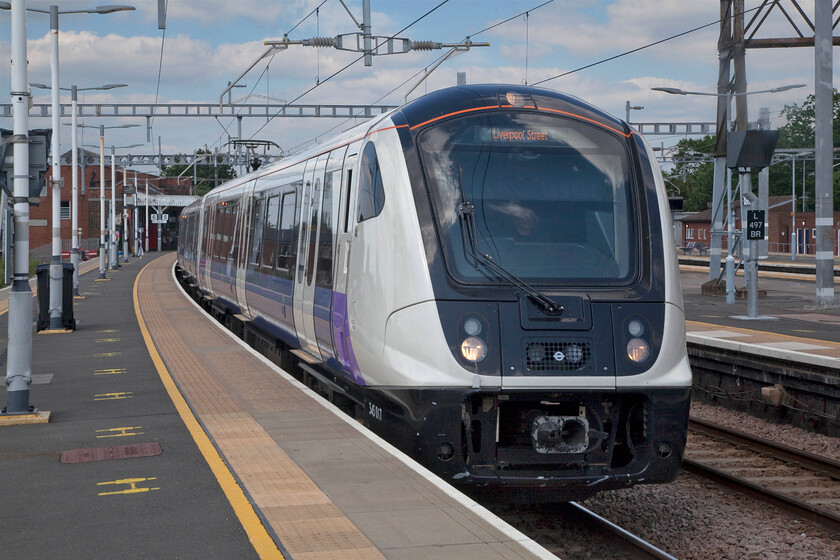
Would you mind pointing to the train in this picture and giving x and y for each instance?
(485, 276)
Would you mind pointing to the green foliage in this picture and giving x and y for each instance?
(799, 132)
(204, 171)
(692, 174)
(33, 263)
(800, 127)
(692, 179)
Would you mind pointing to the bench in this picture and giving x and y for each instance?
(694, 246)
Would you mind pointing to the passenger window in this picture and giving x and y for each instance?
(259, 217)
(347, 200)
(270, 231)
(371, 196)
(313, 232)
(287, 231)
(325, 244)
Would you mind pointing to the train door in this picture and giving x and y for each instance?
(308, 237)
(231, 241)
(208, 213)
(242, 249)
(344, 234)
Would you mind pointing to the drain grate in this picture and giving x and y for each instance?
(91, 454)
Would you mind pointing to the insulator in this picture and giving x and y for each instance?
(424, 45)
(320, 42)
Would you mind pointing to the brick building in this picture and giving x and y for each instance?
(40, 230)
(696, 227)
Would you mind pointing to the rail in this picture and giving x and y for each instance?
(803, 466)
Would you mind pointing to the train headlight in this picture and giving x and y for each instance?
(472, 326)
(638, 350)
(473, 349)
(635, 328)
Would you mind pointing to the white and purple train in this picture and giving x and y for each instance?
(486, 274)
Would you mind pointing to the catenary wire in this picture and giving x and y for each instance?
(337, 72)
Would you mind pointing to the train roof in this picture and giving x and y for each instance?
(454, 100)
(448, 102)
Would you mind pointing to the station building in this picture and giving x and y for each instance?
(130, 191)
(782, 221)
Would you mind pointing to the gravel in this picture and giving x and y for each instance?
(693, 519)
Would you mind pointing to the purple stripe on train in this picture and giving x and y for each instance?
(341, 338)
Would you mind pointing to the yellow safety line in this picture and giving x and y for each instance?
(259, 537)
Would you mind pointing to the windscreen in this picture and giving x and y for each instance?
(550, 198)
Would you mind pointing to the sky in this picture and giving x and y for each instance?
(210, 42)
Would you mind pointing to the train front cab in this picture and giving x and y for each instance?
(569, 203)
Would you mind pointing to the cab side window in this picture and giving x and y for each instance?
(371, 196)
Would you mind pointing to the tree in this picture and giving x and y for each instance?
(691, 176)
(799, 132)
(208, 175)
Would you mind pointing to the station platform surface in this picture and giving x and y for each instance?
(168, 438)
(788, 324)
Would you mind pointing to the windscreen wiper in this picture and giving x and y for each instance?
(467, 217)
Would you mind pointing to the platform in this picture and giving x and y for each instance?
(790, 326)
(171, 439)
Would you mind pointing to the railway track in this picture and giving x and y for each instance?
(573, 532)
(802, 483)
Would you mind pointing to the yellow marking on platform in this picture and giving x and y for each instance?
(257, 534)
(108, 331)
(113, 396)
(100, 340)
(113, 371)
(55, 331)
(102, 280)
(132, 486)
(120, 432)
(107, 354)
(40, 417)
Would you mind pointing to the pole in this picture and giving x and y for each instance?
(723, 100)
(366, 32)
(112, 229)
(4, 207)
(792, 236)
(751, 268)
(101, 201)
(125, 217)
(74, 236)
(730, 241)
(752, 275)
(19, 349)
(146, 230)
(823, 144)
(56, 270)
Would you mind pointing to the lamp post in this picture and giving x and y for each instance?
(56, 271)
(102, 230)
(74, 121)
(628, 108)
(714, 264)
(19, 346)
(112, 245)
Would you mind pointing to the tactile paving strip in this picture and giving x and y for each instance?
(211, 374)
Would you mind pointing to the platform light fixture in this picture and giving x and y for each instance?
(714, 265)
